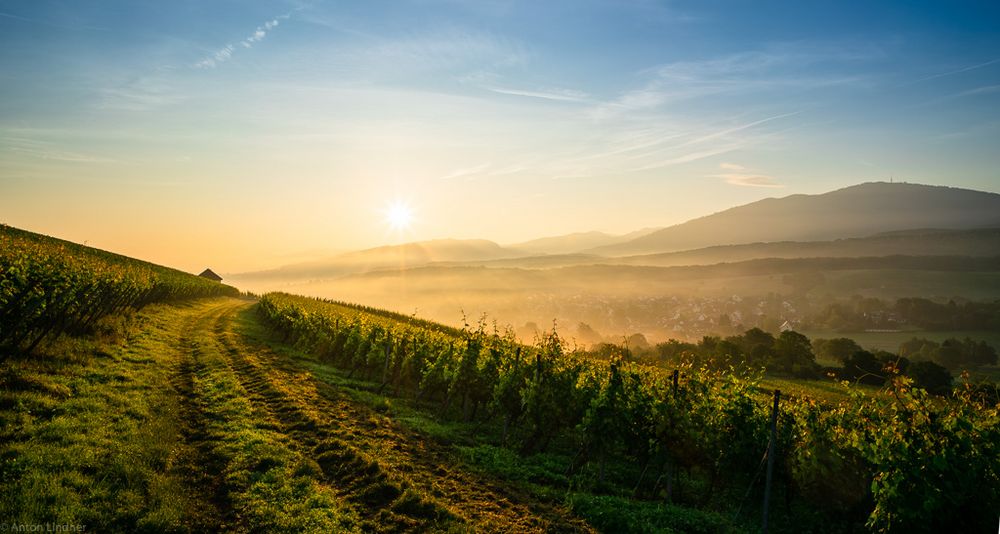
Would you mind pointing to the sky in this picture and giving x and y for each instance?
(244, 135)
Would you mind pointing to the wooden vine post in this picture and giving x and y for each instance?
(770, 458)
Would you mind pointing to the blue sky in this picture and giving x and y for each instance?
(284, 129)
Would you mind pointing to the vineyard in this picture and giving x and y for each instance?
(49, 286)
(202, 412)
(899, 460)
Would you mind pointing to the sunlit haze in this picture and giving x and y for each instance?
(255, 134)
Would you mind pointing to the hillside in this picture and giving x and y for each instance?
(854, 211)
(403, 256)
(872, 219)
(576, 242)
(929, 242)
(49, 287)
(972, 243)
(644, 280)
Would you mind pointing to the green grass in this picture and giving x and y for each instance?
(413, 415)
(104, 434)
(92, 435)
(619, 514)
(272, 487)
(823, 389)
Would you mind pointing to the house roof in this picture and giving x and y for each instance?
(207, 273)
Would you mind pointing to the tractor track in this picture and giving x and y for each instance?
(390, 474)
(393, 478)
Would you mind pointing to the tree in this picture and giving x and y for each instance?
(984, 354)
(930, 376)
(528, 332)
(586, 334)
(919, 349)
(757, 346)
(672, 350)
(838, 349)
(637, 342)
(864, 367)
(793, 354)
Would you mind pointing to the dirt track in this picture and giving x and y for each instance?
(393, 478)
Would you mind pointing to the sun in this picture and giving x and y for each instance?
(399, 215)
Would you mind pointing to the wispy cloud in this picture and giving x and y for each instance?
(741, 176)
(688, 157)
(226, 52)
(987, 89)
(48, 151)
(621, 148)
(52, 25)
(140, 93)
(956, 71)
(564, 95)
(450, 49)
(259, 33)
(16, 17)
(467, 172)
(976, 91)
(775, 68)
(749, 180)
(735, 129)
(696, 144)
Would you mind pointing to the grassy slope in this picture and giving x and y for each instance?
(145, 428)
(189, 418)
(174, 421)
(92, 435)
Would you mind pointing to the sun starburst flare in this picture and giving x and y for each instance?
(399, 215)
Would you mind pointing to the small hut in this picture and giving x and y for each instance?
(207, 273)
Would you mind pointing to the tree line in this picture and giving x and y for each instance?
(872, 313)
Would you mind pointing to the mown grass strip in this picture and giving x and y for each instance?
(272, 488)
(91, 433)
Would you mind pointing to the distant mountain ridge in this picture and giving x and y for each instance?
(925, 242)
(921, 242)
(578, 241)
(860, 210)
(871, 219)
(403, 256)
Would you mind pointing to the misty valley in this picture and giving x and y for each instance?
(460, 384)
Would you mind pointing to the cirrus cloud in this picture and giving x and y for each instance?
(226, 52)
(741, 176)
